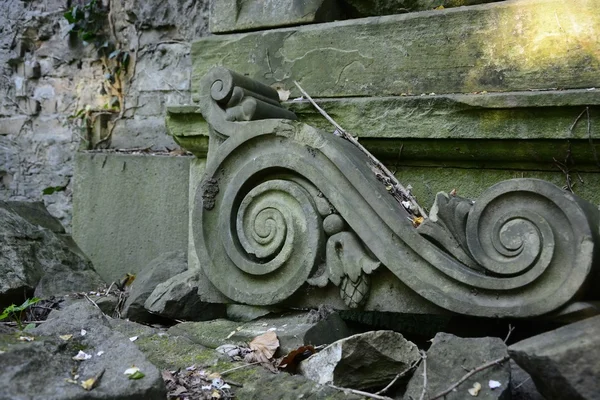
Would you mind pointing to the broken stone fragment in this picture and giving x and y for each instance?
(38, 258)
(564, 363)
(156, 272)
(292, 331)
(44, 368)
(450, 358)
(366, 360)
(178, 298)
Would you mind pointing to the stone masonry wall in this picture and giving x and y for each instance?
(46, 77)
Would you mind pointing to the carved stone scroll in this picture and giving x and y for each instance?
(283, 204)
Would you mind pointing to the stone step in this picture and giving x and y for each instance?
(503, 46)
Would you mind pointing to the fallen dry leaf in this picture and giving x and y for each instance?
(65, 337)
(290, 362)
(264, 347)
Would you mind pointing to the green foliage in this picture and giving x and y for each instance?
(16, 312)
(87, 22)
(53, 189)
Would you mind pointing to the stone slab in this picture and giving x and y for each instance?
(368, 8)
(514, 115)
(472, 182)
(503, 46)
(292, 330)
(564, 363)
(243, 15)
(129, 209)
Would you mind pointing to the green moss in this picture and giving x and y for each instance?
(175, 352)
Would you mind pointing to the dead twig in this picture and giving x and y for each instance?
(424, 358)
(510, 330)
(240, 367)
(589, 134)
(92, 301)
(521, 384)
(398, 376)
(470, 374)
(389, 178)
(361, 393)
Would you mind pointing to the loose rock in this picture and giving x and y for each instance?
(156, 272)
(45, 369)
(178, 298)
(361, 361)
(36, 256)
(564, 363)
(449, 358)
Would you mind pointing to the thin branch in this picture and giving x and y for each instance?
(470, 374)
(424, 357)
(397, 186)
(577, 120)
(92, 301)
(521, 384)
(361, 393)
(510, 330)
(240, 367)
(589, 133)
(398, 376)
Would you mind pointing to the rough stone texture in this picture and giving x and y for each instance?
(292, 331)
(259, 235)
(46, 77)
(240, 15)
(502, 116)
(245, 313)
(522, 386)
(459, 50)
(450, 356)
(129, 210)
(178, 298)
(564, 363)
(157, 271)
(36, 258)
(368, 8)
(49, 359)
(174, 352)
(362, 361)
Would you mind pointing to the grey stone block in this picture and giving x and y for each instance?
(129, 209)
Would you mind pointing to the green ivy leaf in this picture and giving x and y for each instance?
(53, 189)
(137, 375)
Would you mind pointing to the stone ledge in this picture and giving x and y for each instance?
(504, 46)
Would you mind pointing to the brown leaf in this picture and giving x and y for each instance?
(290, 362)
(264, 346)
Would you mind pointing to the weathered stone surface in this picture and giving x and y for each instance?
(156, 272)
(522, 386)
(37, 259)
(178, 298)
(503, 46)
(35, 213)
(564, 363)
(129, 209)
(292, 331)
(49, 360)
(47, 76)
(450, 356)
(245, 313)
(368, 8)
(174, 352)
(259, 234)
(500, 116)
(362, 361)
(240, 15)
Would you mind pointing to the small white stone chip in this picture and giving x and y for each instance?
(494, 384)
